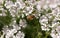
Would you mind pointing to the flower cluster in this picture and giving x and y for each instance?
(22, 13)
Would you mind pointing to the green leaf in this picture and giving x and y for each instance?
(1, 25)
(49, 11)
(17, 20)
(24, 0)
(0, 11)
(5, 20)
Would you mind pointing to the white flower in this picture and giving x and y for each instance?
(43, 20)
(28, 10)
(20, 5)
(45, 6)
(54, 34)
(10, 33)
(1, 2)
(38, 7)
(20, 35)
(2, 12)
(58, 29)
(5, 29)
(8, 4)
(23, 23)
(14, 11)
(44, 23)
(16, 27)
(45, 28)
(31, 2)
(53, 5)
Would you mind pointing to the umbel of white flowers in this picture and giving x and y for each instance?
(13, 13)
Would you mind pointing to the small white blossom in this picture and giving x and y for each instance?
(20, 35)
(23, 23)
(8, 4)
(43, 20)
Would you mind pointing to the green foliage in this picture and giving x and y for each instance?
(5, 20)
(1, 26)
(0, 11)
(24, 0)
(33, 30)
(13, 1)
(17, 20)
(49, 11)
(44, 11)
